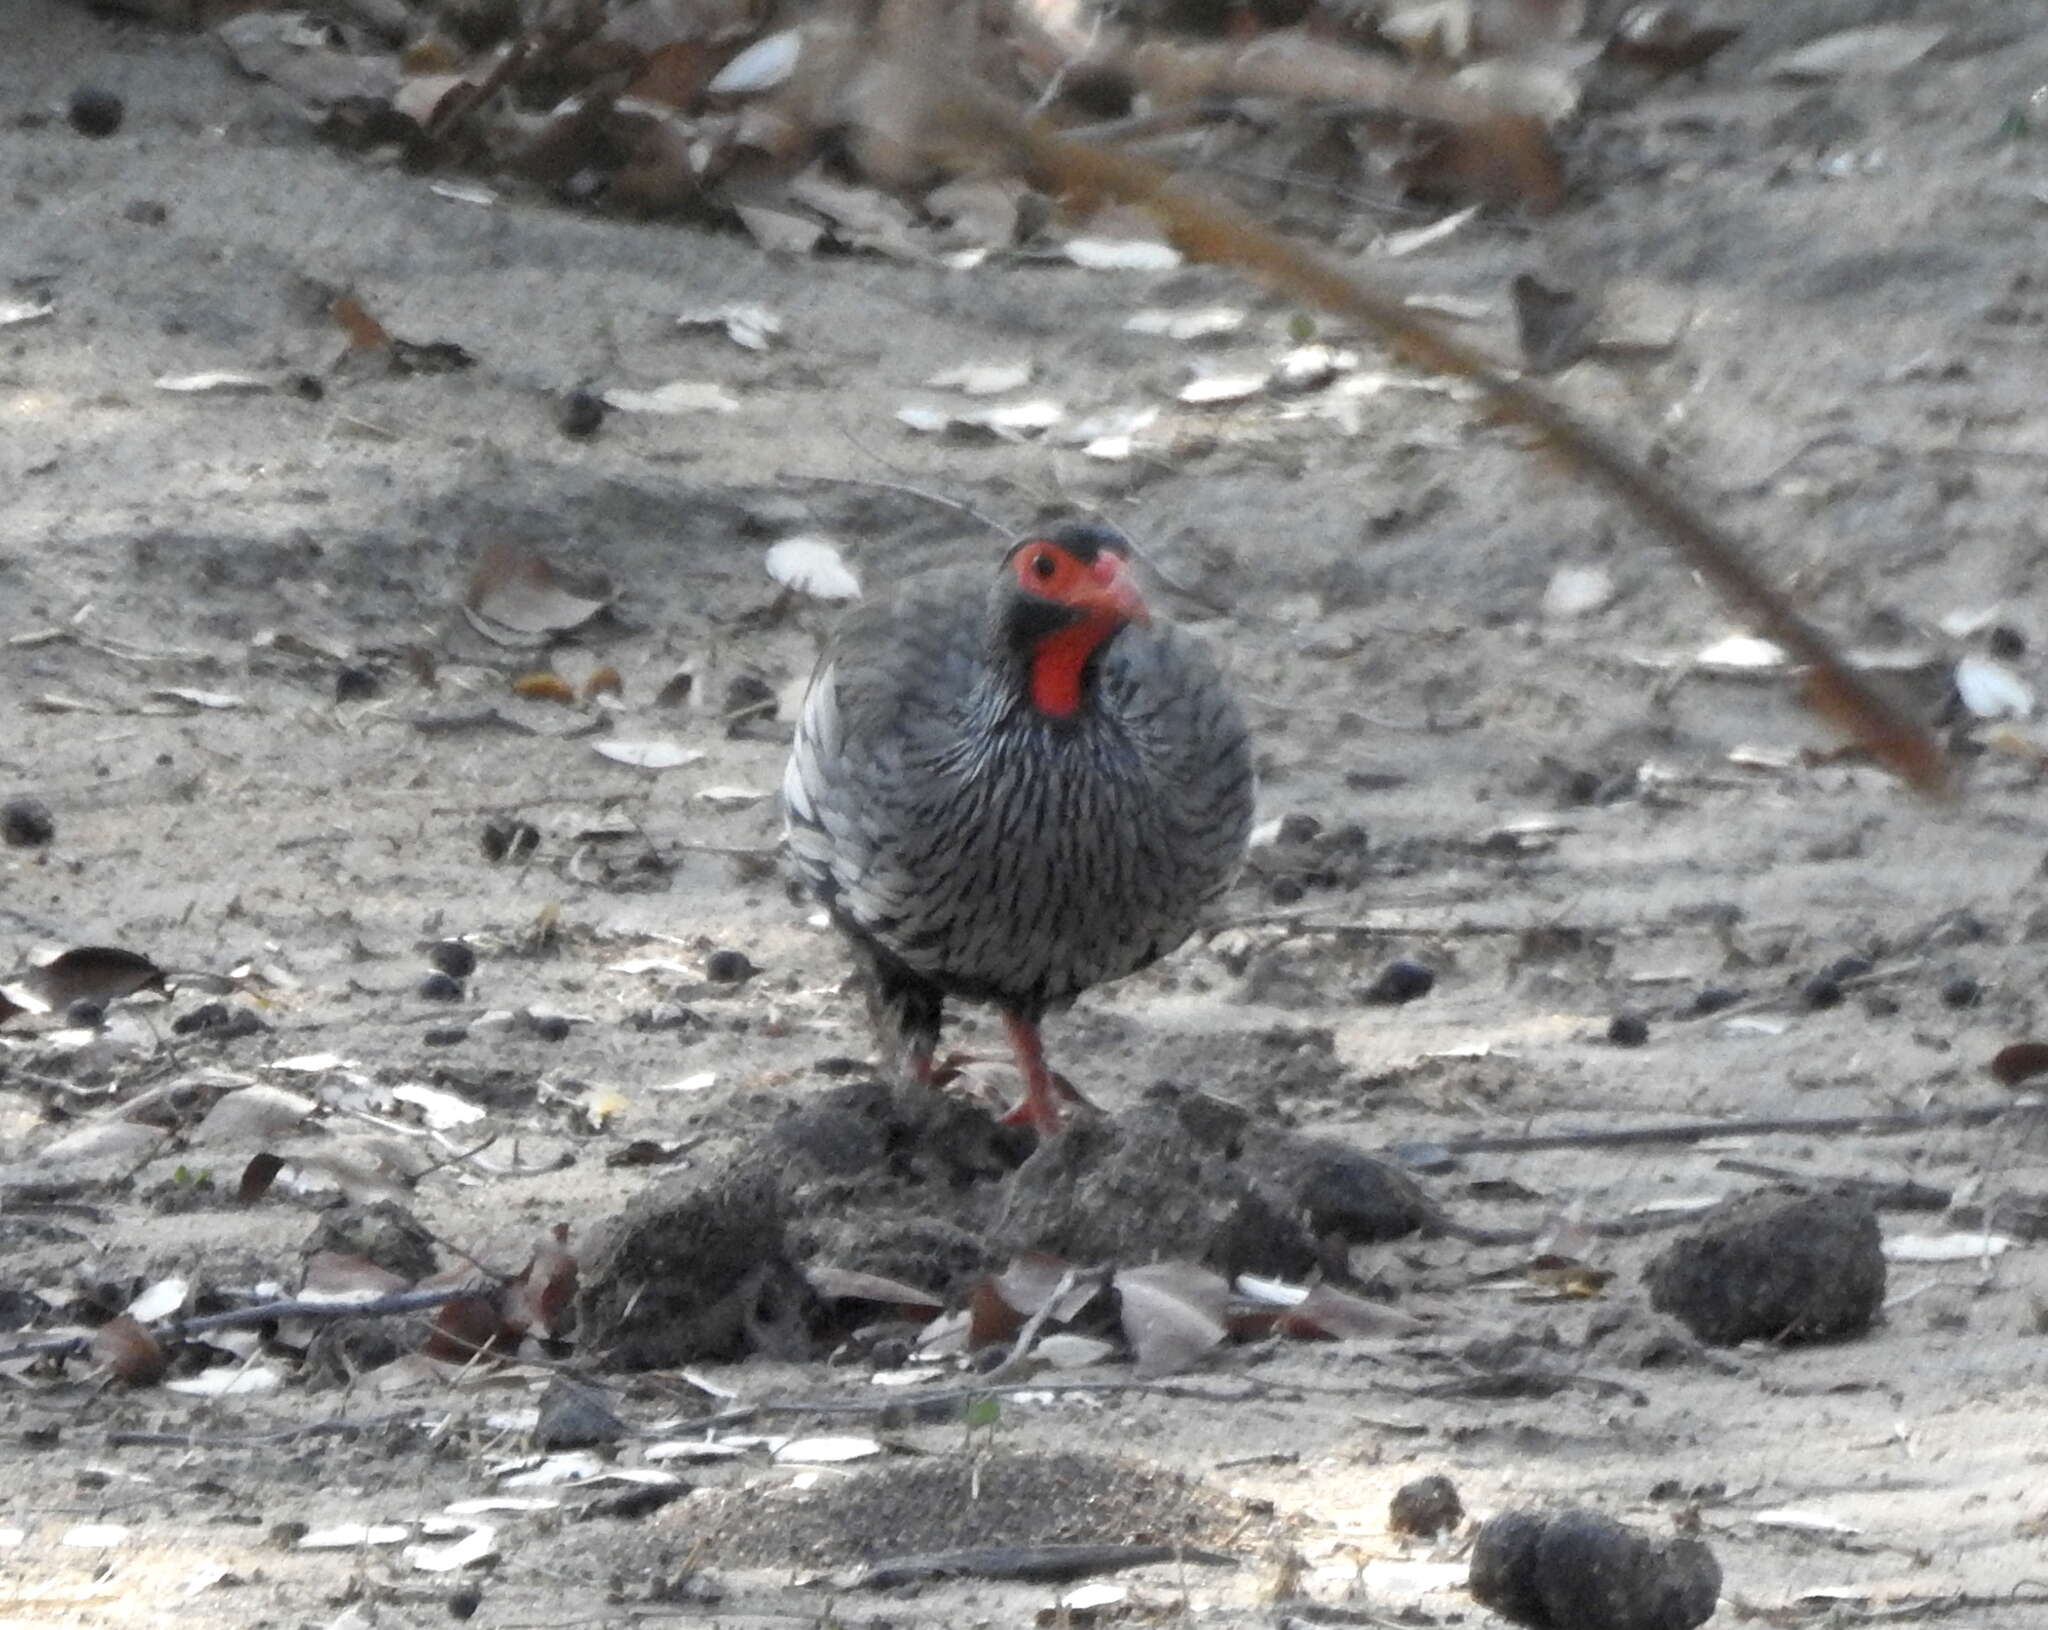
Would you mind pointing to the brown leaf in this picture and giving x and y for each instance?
(93, 973)
(337, 1274)
(991, 1320)
(604, 680)
(466, 1327)
(518, 596)
(851, 1285)
(1337, 1315)
(542, 686)
(538, 1302)
(129, 1353)
(2021, 1061)
(1173, 1313)
(257, 1177)
(1665, 39)
(364, 332)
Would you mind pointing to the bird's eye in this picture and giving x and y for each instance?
(1043, 564)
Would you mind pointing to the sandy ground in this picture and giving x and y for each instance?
(1856, 387)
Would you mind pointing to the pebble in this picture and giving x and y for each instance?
(454, 958)
(440, 987)
(1962, 991)
(1401, 981)
(1628, 1030)
(728, 967)
(1714, 998)
(26, 823)
(1821, 991)
(581, 414)
(94, 111)
(1428, 1505)
(506, 839)
(354, 683)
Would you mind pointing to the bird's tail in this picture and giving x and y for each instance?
(904, 1007)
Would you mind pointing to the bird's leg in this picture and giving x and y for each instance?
(1040, 1109)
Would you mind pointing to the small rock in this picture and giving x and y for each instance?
(1401, 982)
(1962, 991)
(439, 987)
(1775, 1267)
(1428, 1505)
(26, 823)
(85, 1014)
(1628, 1030)
(1714, 998)
(453, 1035)
(94, 111)
(1821, 991)
(549, 1026)
(355, 683)
(581, 414)
(1580, 1570)
(462, 1604)
(454, 958)
(1299, 827)
(728, 967)
(575, 1416)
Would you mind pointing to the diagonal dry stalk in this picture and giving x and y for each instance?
(964, 123)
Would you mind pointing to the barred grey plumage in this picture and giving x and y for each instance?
(1010, 791)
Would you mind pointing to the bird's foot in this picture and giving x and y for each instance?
(1040, 1110)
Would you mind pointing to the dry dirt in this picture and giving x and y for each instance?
(1857, 388)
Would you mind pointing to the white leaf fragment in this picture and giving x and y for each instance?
(761, 66)
(677, 396)
(1205, 322)
(1742, 653)
(752, 328)
(24, 311)
(648, 755)
(827, 1451)
(478, 1542)
(218, 380)
(1219, 389)
(1946, 1247)
(1122, 254)
(983, 378)
(1991, 690)
(812, 565)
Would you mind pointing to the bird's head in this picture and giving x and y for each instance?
(1061, 597)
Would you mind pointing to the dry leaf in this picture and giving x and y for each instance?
(518, 596)
(812, 565)
(197, 384)
(677, 396)
(91, 973)
(1880, 48)
(129, 1353)
(1991, 690)
(648, 755)
(1173, 1314)
(13, 312)
(983, 378)
(762, 66)
(753, 328)
(1122, 254)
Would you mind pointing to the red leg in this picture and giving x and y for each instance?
(1040, 1109)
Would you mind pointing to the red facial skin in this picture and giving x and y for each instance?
(1105, 598)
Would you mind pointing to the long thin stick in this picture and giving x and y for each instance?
(973, 123)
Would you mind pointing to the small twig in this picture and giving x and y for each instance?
(251, 1440)
(964, 118)
(1625, 1137)
(409, 1301)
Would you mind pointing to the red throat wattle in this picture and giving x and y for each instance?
(1103, 597)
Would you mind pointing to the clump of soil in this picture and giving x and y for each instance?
(1775, 1267)
(1580, 1570)
(1006, 1497)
